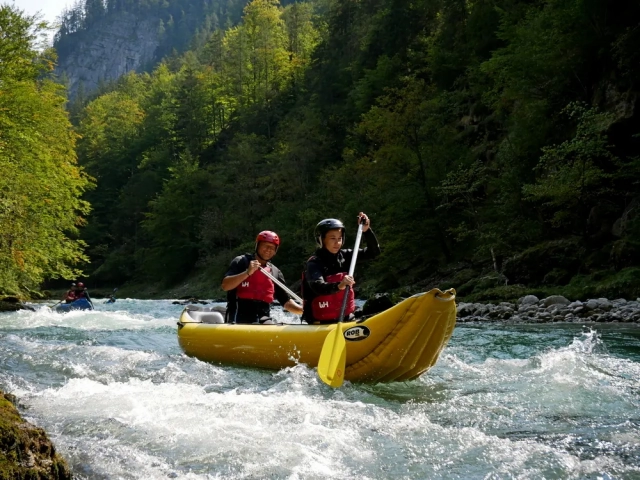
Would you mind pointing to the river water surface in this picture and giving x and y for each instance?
(120, 400)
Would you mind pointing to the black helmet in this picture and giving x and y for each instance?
(324, 226)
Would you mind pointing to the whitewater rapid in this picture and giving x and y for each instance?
(120, 400)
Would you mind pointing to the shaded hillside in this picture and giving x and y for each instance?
(493, 144)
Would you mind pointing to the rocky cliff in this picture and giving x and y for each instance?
(114, 46)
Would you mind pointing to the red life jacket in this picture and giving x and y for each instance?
(327, 307)
(257, 287)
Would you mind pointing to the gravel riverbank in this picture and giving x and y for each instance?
(556, 308)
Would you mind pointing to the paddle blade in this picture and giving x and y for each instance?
(333, 358)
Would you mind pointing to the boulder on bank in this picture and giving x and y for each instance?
(555, 300)
(529, 300)
(13, 304)
(25, 450)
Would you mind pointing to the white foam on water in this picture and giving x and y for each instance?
(260, 431)
(97, 319)
(121, 401)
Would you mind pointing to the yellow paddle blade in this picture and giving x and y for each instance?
(333, 358)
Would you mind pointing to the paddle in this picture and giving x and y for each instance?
(112, 297)
(282, 285)
(333, 356)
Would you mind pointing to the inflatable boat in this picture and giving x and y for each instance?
(398, 344)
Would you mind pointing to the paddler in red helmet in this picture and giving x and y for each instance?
(249, 291)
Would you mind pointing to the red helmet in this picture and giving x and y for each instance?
(268, 236)
(80, 285)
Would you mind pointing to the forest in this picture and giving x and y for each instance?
(495, 144)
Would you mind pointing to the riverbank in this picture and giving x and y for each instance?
(25, 450)
(555, 308)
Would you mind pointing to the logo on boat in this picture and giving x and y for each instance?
(355, 334)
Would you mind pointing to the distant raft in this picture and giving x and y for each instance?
(398, 344)
(80, 304)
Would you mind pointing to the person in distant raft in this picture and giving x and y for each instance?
(326, 274)
(82, 292)
(70, 295)
(249, 291)
(77, 291)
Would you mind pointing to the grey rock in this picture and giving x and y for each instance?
(528, 300)
(592, 304)
(555, 300)
(466, 309)
(605, 304)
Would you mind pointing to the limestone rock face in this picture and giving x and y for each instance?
(113, 47)
(25, 450)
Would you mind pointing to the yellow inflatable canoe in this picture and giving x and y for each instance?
(398, 344)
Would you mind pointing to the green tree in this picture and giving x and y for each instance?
(41, 184)
(575, 175)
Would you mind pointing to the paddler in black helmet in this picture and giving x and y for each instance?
(326, 273)
(249, 291)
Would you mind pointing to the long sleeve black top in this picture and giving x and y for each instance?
(324, 263)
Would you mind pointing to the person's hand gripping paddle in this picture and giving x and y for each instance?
(333, 356)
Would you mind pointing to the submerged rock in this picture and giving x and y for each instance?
(25, 450)
(190, 301)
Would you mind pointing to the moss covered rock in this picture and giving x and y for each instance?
(25, 450)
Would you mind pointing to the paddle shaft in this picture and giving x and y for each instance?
(281, 285)
(352, 268)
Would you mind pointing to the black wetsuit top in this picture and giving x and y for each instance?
(324, 263)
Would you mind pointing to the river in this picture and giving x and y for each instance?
(120, 401)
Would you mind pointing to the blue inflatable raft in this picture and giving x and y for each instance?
(80, 304)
